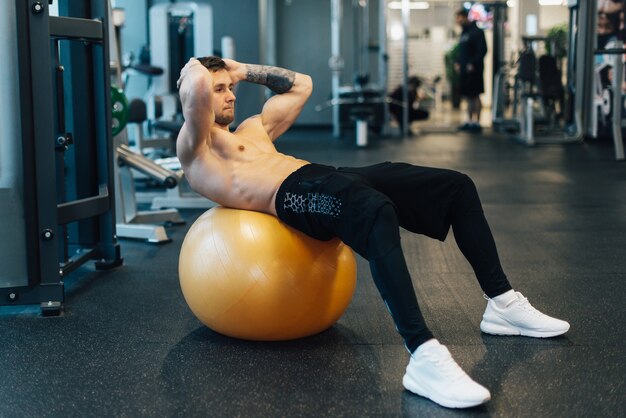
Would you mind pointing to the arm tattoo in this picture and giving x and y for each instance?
(277, 79)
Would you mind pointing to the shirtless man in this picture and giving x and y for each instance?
(365, 207)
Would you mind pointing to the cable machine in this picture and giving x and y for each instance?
(66, 176)
(363, 103)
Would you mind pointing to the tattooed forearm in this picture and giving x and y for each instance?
(277, 79)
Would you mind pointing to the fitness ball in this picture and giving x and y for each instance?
(247, 275)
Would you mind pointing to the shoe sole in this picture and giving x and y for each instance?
(413, 386)
(500, 329)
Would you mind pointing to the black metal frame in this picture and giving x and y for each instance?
(66, 145)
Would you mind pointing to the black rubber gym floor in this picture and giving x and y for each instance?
(127, 345)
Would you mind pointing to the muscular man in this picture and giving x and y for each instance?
(365, 207)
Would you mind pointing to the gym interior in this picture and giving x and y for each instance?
(94, 317)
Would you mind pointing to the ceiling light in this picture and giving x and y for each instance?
(413, 5)
(552, 2)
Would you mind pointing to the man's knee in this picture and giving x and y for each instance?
(467, 194)
(386, 216)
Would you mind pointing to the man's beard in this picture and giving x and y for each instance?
(224, 119)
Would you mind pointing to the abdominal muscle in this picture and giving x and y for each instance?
(254, 183)
(244, 174)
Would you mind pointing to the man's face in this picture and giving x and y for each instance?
(461, 20)
(223, 98)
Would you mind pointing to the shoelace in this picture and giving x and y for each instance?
(446, 364)
(522, 301)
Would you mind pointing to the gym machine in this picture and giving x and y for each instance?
(362, 104)
(537, 90)
(131, 222)
(62, 173)
(607, 103)
(501, 71)
(613, 98)
(178, 31)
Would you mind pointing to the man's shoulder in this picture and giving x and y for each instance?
(476, 30)
(252, 128)
(251, 122)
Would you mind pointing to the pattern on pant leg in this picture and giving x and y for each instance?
(313, 203)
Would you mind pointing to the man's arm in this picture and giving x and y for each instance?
(196, 92)
(292, 91)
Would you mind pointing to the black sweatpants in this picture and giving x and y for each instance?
(365, 207)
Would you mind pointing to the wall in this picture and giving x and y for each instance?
(303, 43)
(550, 16)
(431, 35)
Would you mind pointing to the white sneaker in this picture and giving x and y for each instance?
(519, 317)
(433, 374)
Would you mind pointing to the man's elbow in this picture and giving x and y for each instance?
(201, 84)
(194, 89)
(306, 84)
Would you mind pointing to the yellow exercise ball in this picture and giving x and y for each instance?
(247, 275)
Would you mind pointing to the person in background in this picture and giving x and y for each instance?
(396, 105)
(470, 65)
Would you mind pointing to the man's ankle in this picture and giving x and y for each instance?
(503, 299)
(426, 345)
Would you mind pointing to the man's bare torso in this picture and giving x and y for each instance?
(241, 170)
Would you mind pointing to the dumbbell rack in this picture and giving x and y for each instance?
(66, 147)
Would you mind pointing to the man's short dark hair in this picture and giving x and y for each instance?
(415, 81)
(462, 12)
(212, 63)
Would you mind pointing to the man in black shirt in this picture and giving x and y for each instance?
(469, 64)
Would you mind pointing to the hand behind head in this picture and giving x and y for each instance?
(191, 63)
(236, 70)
